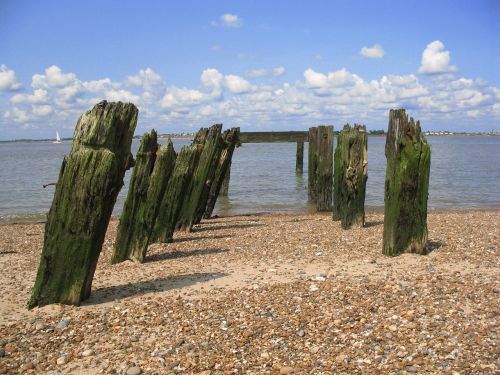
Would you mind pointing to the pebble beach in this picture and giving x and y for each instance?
(275, 294)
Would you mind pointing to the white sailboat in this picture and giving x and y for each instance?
(58, 139)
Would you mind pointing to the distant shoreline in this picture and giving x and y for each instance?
(191, 136)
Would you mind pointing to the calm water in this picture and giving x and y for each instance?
(465, 174)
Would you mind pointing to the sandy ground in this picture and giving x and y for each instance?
(266, 294)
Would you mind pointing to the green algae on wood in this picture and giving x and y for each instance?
(312, 163)
(324, 172)
(350, 175)
(224, 190)
(230, 139)
(90, 179)
(147, 186)
(299, 159)
(406, 186)
(170, 204)
(203, 172)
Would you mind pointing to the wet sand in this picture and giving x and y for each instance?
(266, 294)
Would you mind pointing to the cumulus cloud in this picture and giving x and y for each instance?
(8, 80)
(435, 59)
(375, 52)
(319, 96)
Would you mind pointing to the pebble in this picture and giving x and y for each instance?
(2, 353)
(286, 370)
(87, 353)
(63, 324)
(313, 288)
(301, 333)
(61, 360)
(134, 370)
(39, 325)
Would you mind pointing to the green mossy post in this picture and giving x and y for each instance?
(350, 175)
(224, 190)
(204, 172)
(312, 164)
(90, 179)
(170, 204)
(132, 214)
(230, 141)
(299, 162)
(406, 186)
(324, 173)
(147, 186)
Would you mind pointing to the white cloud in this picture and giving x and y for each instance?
(42, 110)
(375, 52)
(231, 20)
(435, 59)
(53, 77)
(236, 84)
(181, 97)
(257, 73)
(38, 96)
(146, 78)
(8, 80)
(121, 96)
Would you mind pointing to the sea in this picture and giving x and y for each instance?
(465, 174)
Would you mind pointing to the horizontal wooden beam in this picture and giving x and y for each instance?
(264, 137)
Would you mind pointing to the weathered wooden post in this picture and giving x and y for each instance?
(230, 141)
(299, 162)
(147, 187)
(324, 182)
(89, 181)
(170, 204)
(406, 186)
(312, 164)
(224, 190)
(350, 175)
(204, 171)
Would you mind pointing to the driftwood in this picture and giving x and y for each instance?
(89, 181)
(202, 176)
(324, 173)
(350, 175)
(406, 186)
(312, 164)
(229, 143)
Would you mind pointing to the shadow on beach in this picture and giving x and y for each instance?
(115, 292)
(234, 226)
(184, 254)
(215, 237)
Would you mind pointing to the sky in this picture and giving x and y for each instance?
(260, 65)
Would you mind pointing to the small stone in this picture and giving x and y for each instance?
(320, 278)
(2, 353)
(337, 322)
(27, 366)
(61, 360)
(301, 333)
(341, 358)
(393, 328)
(63, 324)
(39, 325)
(313, 288)
(134, 370)
(87, 353)
(286, 370)
(411, 369)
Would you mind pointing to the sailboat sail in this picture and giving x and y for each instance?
(58, 138)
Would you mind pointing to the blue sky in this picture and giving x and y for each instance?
(260, 65)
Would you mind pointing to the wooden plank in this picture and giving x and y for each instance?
(264, 137)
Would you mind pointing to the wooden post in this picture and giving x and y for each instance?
(204, 171)
(350, 175)
(170, 204)
(89, 181)
(299, 162)
(312, 164)
(224, 190)
(324, 181)
(406, 186)
(230, 140)
(147, 187)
